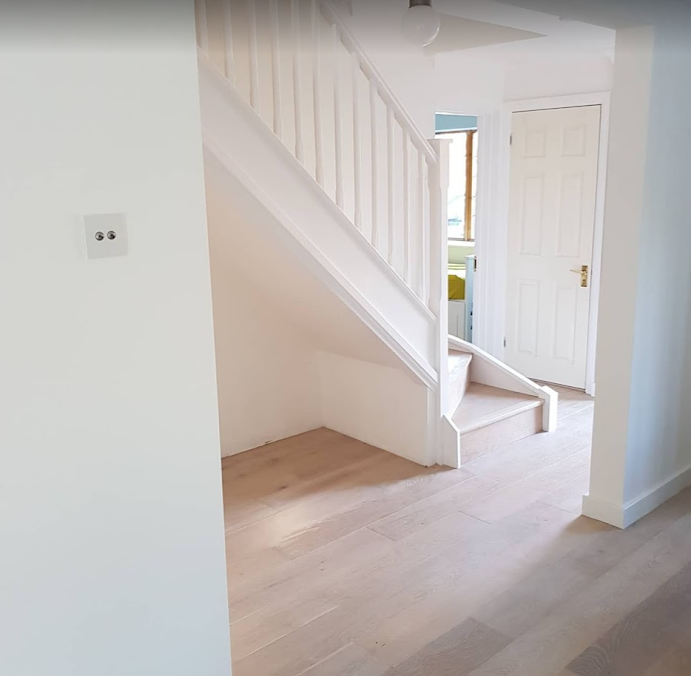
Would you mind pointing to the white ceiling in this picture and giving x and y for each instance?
(607, 13)
(458, 33)
(514, 34)
(500, 33)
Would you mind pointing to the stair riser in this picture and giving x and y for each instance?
(458, 388)
(500, 434)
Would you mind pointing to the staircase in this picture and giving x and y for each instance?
(492, 405)
(310, 146)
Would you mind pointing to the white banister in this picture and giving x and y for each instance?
(276, 67)
(370, 70)
(338, 131)
(422, 213)
(373, 95)
(229, 60)
(439, 188)
(254, 56)
(438, 258)
(357, 148)
(406, 207)
(408, 173)
(390, 181)
(297, 81)
(316, 84)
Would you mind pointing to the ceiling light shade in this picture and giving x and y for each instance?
(421, 23)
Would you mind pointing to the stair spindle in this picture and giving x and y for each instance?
(202, 26)
(254, 57)
(228, 35)
(297, 81)
(406, 208)
(424, 251)
(375, 164)
(357, 148)
(276, 67)
(390, 178)
(316, 84)
(338, 124)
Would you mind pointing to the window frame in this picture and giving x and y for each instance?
(469, 182)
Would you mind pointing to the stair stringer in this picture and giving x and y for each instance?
(320, 233)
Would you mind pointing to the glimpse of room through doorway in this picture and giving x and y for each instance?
(462, 131)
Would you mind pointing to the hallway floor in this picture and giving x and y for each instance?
(344, 560)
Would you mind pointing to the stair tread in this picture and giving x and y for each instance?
(483, 405)
(458, 363)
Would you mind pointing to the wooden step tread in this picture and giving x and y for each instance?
(483, 405)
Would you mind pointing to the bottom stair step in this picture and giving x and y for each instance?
(459, 377)
(489, 418)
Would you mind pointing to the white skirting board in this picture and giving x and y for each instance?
(623, 516)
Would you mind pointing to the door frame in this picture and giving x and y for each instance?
(492, 221)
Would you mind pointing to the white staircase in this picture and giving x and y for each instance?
(310, 146)
(490, 418)
(492, 406)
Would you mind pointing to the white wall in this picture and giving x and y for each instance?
(559, 77)
(480, 86)
(291, 355)
(570, 58)
(466, 85)
(110, 499)
(268, 385)
(375, 404)
(625, 186)
(275, 379)
(660, 428)
(642, 442)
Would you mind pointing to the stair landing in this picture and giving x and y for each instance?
(489, 418)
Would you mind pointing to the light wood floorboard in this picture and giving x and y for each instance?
(344, 560)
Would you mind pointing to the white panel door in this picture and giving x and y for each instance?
(554, 160)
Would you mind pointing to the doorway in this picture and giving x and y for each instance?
(553, 191)
(462, 133)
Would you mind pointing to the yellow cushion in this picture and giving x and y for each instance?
(456, 287)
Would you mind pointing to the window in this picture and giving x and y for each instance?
(462, 184)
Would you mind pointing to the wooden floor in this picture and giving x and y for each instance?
(347, 561)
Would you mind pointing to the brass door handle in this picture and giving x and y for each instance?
(583, 271)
